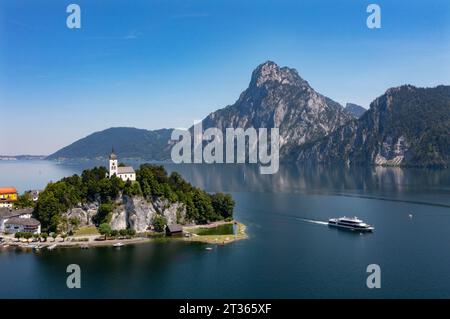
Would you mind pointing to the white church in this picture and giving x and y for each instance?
(126, 173)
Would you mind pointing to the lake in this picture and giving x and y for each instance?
(290, 252)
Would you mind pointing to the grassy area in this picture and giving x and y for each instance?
(220, 239)
(225, 229)
(87, 231)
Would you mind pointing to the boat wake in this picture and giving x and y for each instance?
(312, 221)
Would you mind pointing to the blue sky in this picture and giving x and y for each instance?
(165, 63)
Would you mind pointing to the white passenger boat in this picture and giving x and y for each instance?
(351, 223)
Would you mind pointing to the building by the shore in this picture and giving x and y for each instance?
(174, 229)
(8, 195)
(126, 173)
(22, 225)
(18, 220)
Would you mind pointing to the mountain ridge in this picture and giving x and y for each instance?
(129, 142)
(313, 127)
(275, 97)
(406, 126)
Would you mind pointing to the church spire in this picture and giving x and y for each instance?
(113, 155)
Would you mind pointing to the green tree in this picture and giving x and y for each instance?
(131, 232)
(74, 222)
(132, 189)
(123, 232)
(47, 210)
(159, 223)
(44, 236)
(63, 225)
(104, 229)
(202, 203)
(223, 204)
(103, 214)
(24, 201)
(27, 235)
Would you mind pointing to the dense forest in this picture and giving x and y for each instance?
(152, 182)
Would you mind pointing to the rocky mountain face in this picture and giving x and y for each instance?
(354, 109)
(406, 126)
(135, 213)
(279, 97)
(276, 97)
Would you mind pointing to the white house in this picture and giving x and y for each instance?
(25, 225)
(18, 220)
(125, 172)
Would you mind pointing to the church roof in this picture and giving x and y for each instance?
(125, 170)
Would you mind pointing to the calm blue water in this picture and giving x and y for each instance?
(287, 254)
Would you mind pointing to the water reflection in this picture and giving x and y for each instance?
(377, 182)
(391, 183)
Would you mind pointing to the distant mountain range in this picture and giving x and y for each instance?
(405, 126)
(127, 142)
(21, 157)
(355, 110)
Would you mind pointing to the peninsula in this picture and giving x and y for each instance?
(120, 205)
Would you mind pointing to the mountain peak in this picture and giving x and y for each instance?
(354, 109)
(405, 87)
(270, 72)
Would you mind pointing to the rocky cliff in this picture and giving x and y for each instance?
(405, 126)
(279, 97)
(135, 213)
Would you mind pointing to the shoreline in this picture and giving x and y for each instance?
(240, 234)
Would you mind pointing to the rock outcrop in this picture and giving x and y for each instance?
(135, 213)
(83, 212)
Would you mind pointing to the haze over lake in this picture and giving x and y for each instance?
(289, 253)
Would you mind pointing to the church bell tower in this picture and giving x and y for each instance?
(112, 163)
